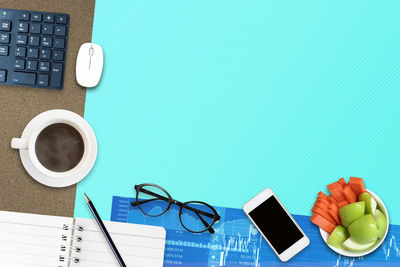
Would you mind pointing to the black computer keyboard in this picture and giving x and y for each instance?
(33, 48)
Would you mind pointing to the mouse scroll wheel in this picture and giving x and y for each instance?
(91, 51)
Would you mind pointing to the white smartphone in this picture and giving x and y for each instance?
(276, 225)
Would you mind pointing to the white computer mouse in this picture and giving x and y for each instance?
(89, 65)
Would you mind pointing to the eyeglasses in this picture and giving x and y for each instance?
(195, 216)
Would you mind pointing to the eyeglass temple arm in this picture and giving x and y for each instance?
(136, 203)
(175, 202)
(210, 229)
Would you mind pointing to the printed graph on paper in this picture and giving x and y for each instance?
(237, 242)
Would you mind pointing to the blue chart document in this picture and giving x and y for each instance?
(237, 243)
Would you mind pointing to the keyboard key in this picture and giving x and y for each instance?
(45, 54)
(19, 64)
(59, 43)
(60, 30)
(36, 17)
(3, 50)
(34, 40)
(46, 42)
(22, 39)
(47, 29)
(56, 75)
(43, 80)
(23, 78)
(4, 38)
(48, 18)
(23, 27)
(35, 28)
(33, 52)
(3, 74)
(20, 52)
(61, 19)
(31, 65)
(44, 66)
(5, 25)
(58, 55)
(24, 16)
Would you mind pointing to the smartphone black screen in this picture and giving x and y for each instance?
(276, 225)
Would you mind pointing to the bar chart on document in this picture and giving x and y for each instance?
(237, 242)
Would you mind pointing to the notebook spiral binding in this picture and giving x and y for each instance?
(66, 259)
(79, 228)
(70, 249)
(76, 238)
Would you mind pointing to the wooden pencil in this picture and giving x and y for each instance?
(105, 232)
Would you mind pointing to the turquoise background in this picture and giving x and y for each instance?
(217, 100)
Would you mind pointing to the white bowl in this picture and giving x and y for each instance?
(343, 252)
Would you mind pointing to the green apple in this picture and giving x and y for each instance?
(381, 222)
(352, 245)
(370, 203)
(338, 236)
(351, 212)
(364, 230)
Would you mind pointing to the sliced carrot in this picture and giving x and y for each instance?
(332, 200)
(338, 195)
(324, 214)
(321, 205)
(322, 223)
(335, 215)
(343, 203)
(323, 200)
(335, 185)
(335, 209)
(336, 190)
(357, 184)
(333, 205)
(322, 195)
(342, 182)
(349, 194)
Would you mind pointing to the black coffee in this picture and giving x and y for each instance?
(59, 147)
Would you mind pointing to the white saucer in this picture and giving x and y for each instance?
(80, 171)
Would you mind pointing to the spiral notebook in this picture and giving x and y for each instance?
(51, 241)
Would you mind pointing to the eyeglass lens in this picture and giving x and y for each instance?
(153, 201)
(194, 217)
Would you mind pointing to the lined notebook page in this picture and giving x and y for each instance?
(33, 240)
(139, 245)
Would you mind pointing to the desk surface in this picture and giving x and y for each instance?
(207, 99)
(18, 105)
(217, 100)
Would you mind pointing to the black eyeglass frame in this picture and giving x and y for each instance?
(215, 216)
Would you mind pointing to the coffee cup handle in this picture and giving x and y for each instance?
(18, 143)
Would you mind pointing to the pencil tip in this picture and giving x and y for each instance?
(87, 198)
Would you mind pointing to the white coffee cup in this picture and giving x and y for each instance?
(26, 146)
